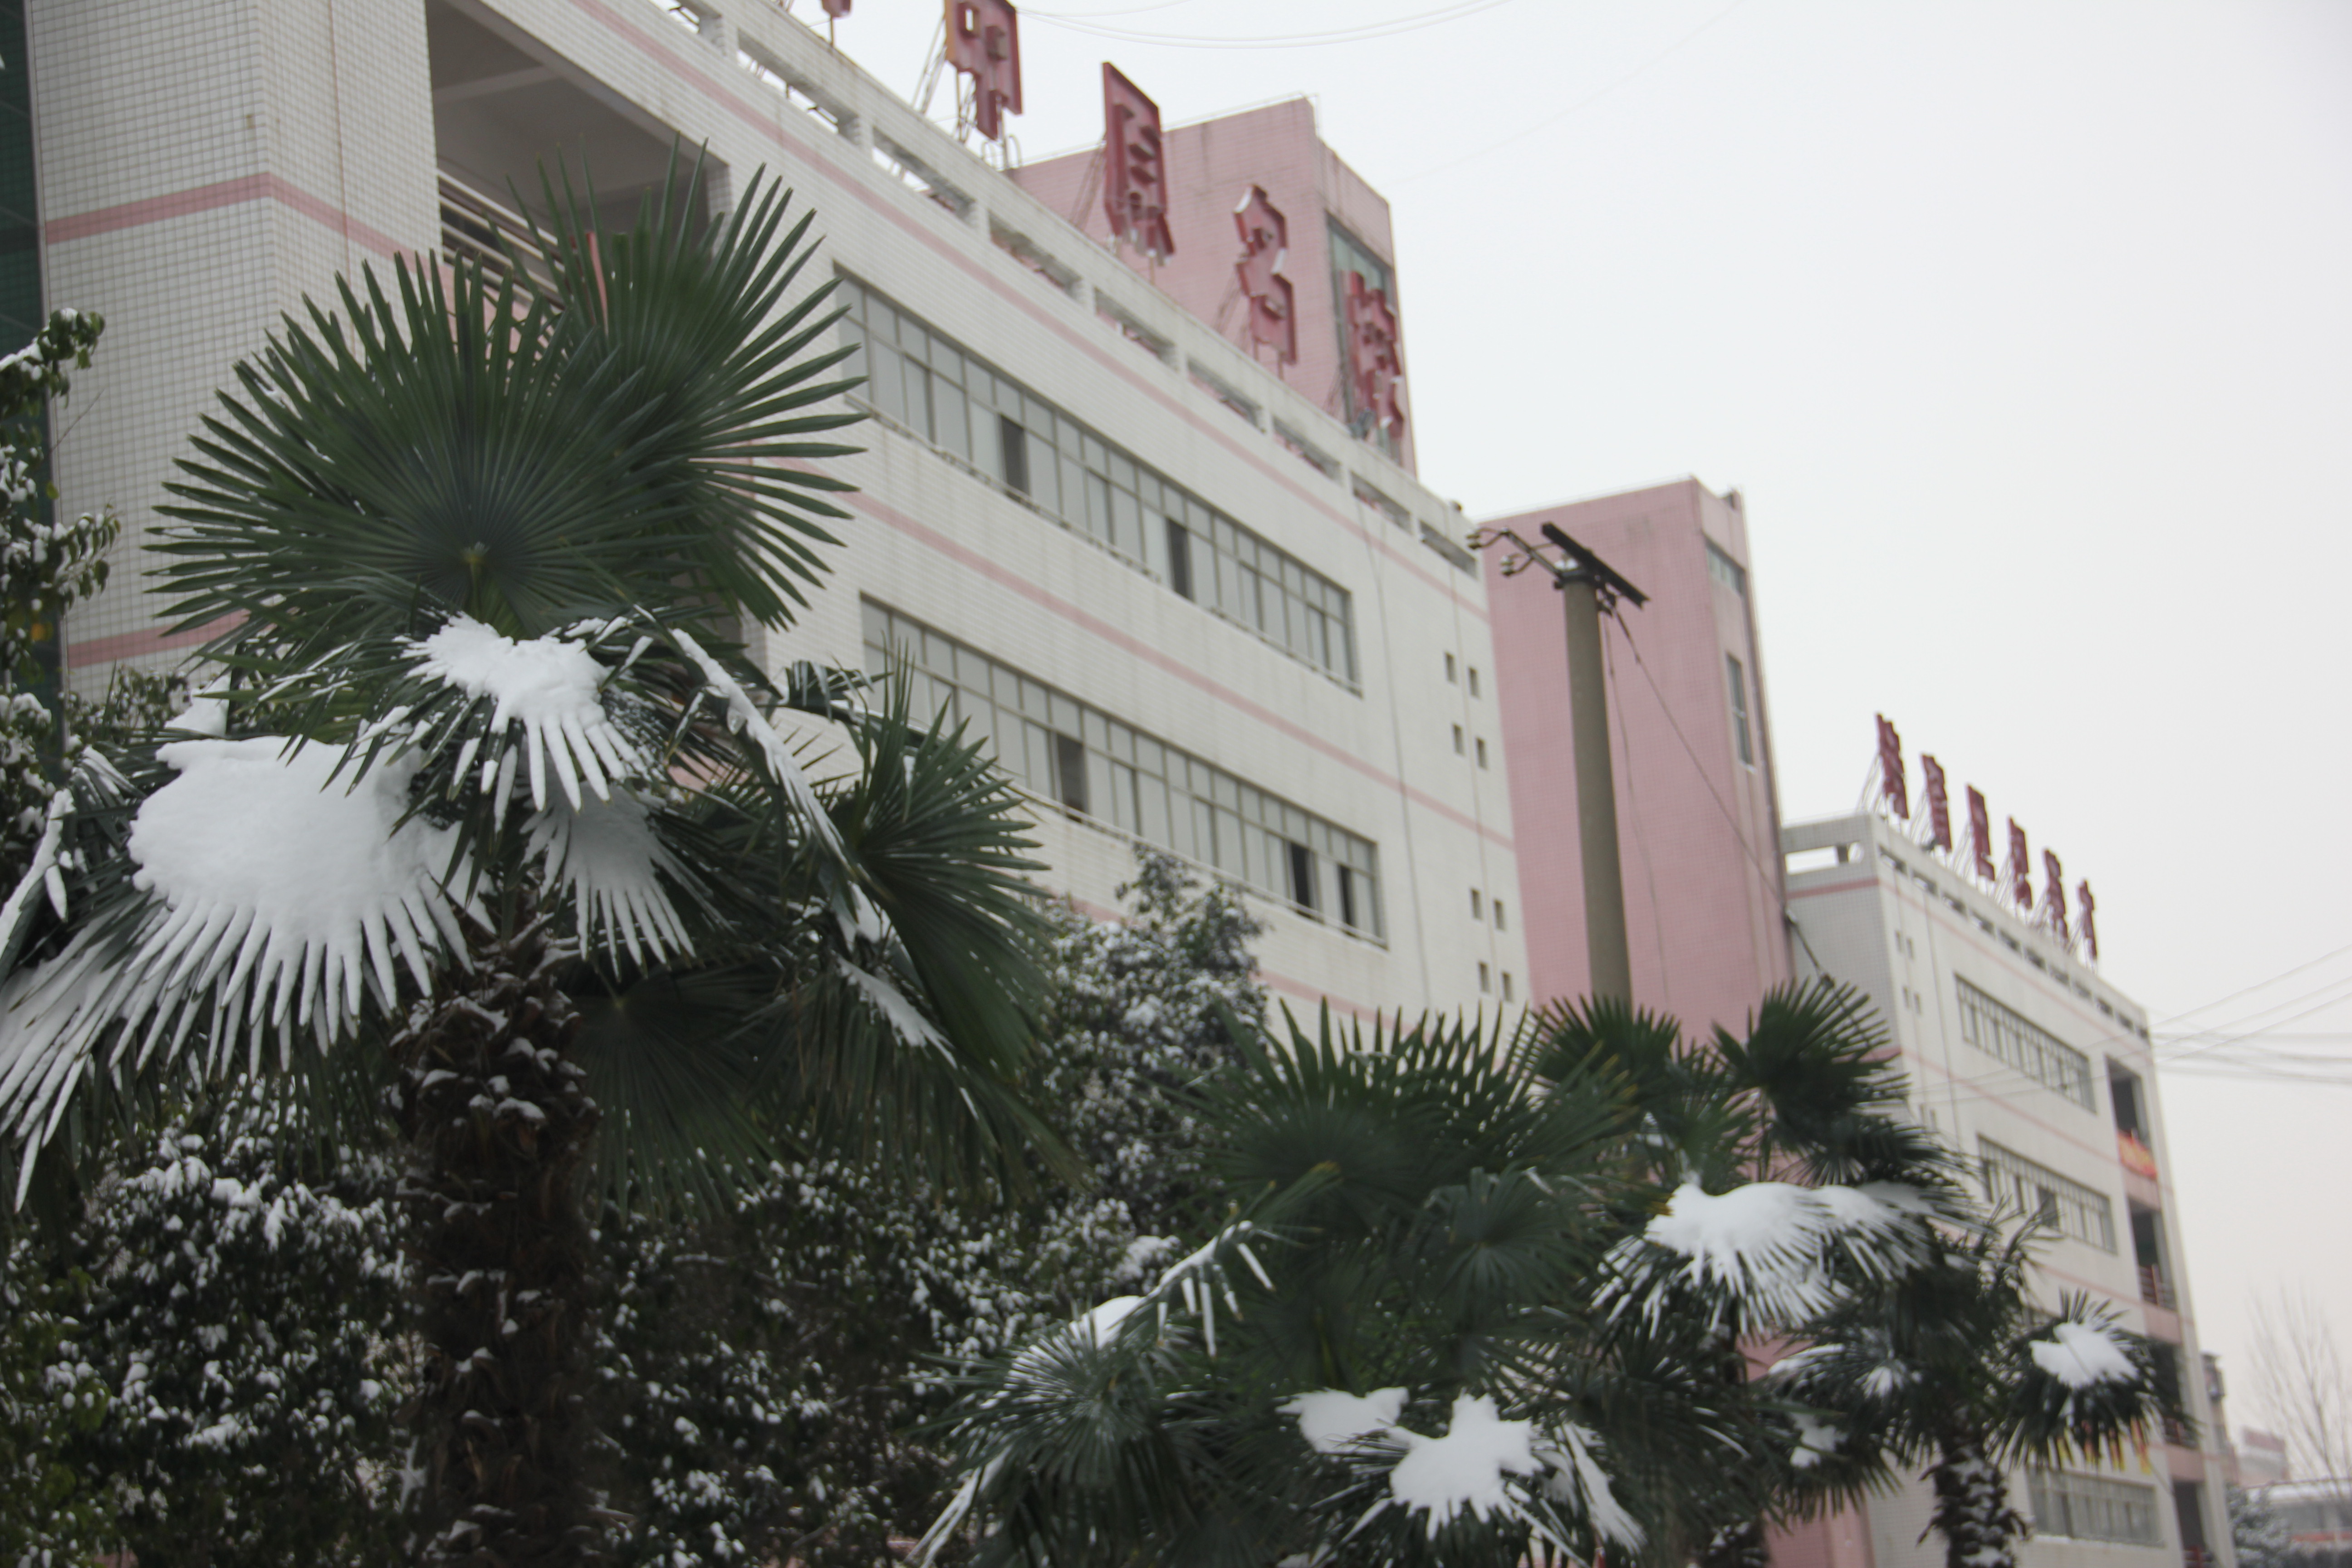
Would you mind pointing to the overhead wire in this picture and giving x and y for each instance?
(1394, 28)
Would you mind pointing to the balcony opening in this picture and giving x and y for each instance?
(2189, 1507)
(504, 104)
(2134, 1146)
(2148, 1251)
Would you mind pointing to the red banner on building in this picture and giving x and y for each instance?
(1892, 782)
(1939, 804)
(1265, 247)
(1981, 834)
(984, 43)
(2020, 868)
(1135, 173)
(2054, 896)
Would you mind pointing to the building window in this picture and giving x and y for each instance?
(1506, 985)
(2003, 1032)
(1449, 670)
(928, 384)
(1739, 739)
(1473, 680)
(1725, 569)
(1457, 739)
(1478, 905)
(1088, 763)
(1499, 924)
(2067, 1205)
(1481, 753)
(2093, 1508)
(1486, 982)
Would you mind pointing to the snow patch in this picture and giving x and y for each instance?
(2083, 1355)
(606, 855)
(551, 685)
(1463, 1472)
(1766, 1242)
(1333, 1422)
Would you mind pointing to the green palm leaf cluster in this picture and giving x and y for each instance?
(1476, 1294)
(490, 817)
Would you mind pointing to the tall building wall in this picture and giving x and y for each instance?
(205, 168)
(2029, 1065)
(1697, 815)
(276, 144)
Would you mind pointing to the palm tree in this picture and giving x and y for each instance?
(1929, 1345)
(1424, 1327)
(494, 797)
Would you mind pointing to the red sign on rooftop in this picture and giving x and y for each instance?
(1265, 247)
(984, 43)
(1135, 173)
(1892, 784)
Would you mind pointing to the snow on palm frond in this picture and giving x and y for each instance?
(1334, 1421)
(1769, 1246)
(550, 687)
(2083, 1355)
(1468, 1470)
(606, 856)
(897, 1010)
(745, 718)
(278, 895)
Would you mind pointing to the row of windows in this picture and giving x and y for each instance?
(2093, 1508)
(1450, 678)
(2066, 1204)
(1091, 763)
(2003, 1032)
(1487, 983)
(933, 388)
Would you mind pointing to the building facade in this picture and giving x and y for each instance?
(1182, 602)
(2043, 1075)
(1691, 753)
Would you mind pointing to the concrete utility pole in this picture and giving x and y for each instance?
(1589, 589)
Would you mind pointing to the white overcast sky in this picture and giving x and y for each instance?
(2026, 331)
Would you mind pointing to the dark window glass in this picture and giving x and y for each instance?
(1070, 762)
(1015, 443)
(1180, 558)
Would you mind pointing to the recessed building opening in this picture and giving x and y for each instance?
(505, 105)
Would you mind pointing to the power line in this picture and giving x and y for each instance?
(1391, 29)
(2260, 984)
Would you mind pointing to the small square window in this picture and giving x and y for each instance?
(1481, 753)
(1486, 982)
(1478, 905)
(1473, 680)
(1449, 670)
(1457, 739)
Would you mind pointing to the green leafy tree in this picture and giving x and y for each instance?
(767, 1377)
(497, 806)
(233, 1300)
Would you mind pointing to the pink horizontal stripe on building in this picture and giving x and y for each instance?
(211, 198)
(974, 560)
(151, 640)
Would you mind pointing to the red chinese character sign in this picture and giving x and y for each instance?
(1891, 786)
(2087, 906)
(2054, 897)
(1980, 836)
(1265, 247)
(984, 43)
(837, 8)
(1135, 175)
(2020, 868)
(1939, 804)
(1375, 365)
